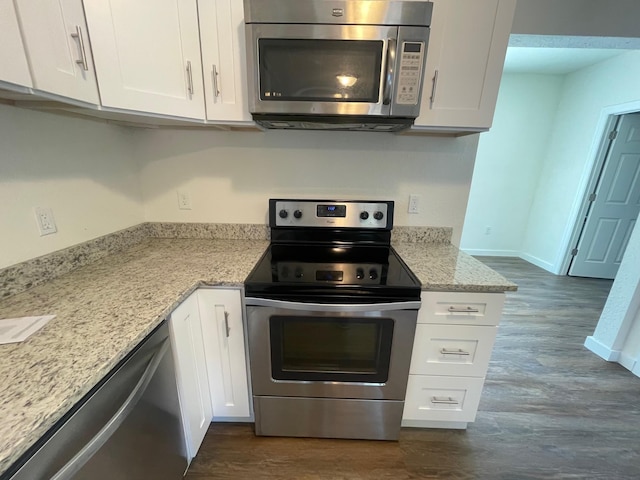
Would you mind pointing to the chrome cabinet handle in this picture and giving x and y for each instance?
(83, 54)
(444, 400)
(444, 351)
(434, 85)
(226, 323)
(216, 90)
(453, 309)
(85, 454)
(189, 78)
(391, 61)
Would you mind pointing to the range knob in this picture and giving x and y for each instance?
(359, 273)
(297, 214)
(283, 213)
(364, 215)
(298, 273)
(378, 215)
(373, 274)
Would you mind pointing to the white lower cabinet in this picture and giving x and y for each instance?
(221, 314)
(451, 351)
(192, 379)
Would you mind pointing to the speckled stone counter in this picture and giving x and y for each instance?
(104, 309)
(443, 267)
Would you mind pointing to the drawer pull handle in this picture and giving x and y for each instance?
(445, 400)
(453, 309)
(444, 351)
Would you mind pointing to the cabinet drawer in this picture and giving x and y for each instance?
(461, 308)
(445, 399)
(458, 350)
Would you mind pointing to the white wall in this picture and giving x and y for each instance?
(508, 164)
(230, 175)
(618, 331)
(81, 169)
(571, 153)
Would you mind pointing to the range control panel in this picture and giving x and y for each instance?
(349, 274)
(331, 213)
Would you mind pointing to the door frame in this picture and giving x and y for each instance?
(597, 155)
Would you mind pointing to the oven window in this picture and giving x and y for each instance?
(320, 70)
(331, 348)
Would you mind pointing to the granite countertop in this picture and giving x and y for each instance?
(444, 268)
(103, 310)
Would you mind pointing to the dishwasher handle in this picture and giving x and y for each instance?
(85, 454)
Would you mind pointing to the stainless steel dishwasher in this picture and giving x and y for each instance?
(127, 428)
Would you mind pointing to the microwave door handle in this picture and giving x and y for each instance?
(391, 62)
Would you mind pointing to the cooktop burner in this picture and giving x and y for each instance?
(327, 250)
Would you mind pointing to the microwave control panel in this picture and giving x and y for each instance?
(410, 73)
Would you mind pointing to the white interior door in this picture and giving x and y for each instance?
(614, 206)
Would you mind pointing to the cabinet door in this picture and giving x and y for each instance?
(223, 59)
(191, 371)
(57, 44)
(147, 55)
(221, 312)
(13, 59)
(465, 57)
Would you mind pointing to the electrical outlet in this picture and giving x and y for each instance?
(414, 204)
(184, 201)
(46, 222)
(487, 231)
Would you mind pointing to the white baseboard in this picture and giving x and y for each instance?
(538, 262)
(628, 362)
(491, 253)
(602, 350)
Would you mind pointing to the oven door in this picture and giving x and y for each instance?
(330, 351)
(333, 69)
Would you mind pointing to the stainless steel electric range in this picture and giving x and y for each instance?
(331, 316)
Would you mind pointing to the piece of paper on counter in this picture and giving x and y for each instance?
(13, 330)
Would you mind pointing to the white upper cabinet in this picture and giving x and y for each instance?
(13, 59)
(467, 46)
(57, 45)
(223, 59)
(147, 55)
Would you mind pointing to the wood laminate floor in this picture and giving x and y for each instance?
(550, 409)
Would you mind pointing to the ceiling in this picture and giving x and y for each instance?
(555, 61)
(559, 55)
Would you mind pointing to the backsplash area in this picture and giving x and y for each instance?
(22, 276)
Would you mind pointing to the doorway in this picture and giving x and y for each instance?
(612, 201)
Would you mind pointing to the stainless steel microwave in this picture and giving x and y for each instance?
(336, 64)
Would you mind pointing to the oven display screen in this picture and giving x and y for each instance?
(332, 211)
(329, 275)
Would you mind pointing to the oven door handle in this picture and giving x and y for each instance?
(333, 307)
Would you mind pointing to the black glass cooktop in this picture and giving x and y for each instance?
(351, 273)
